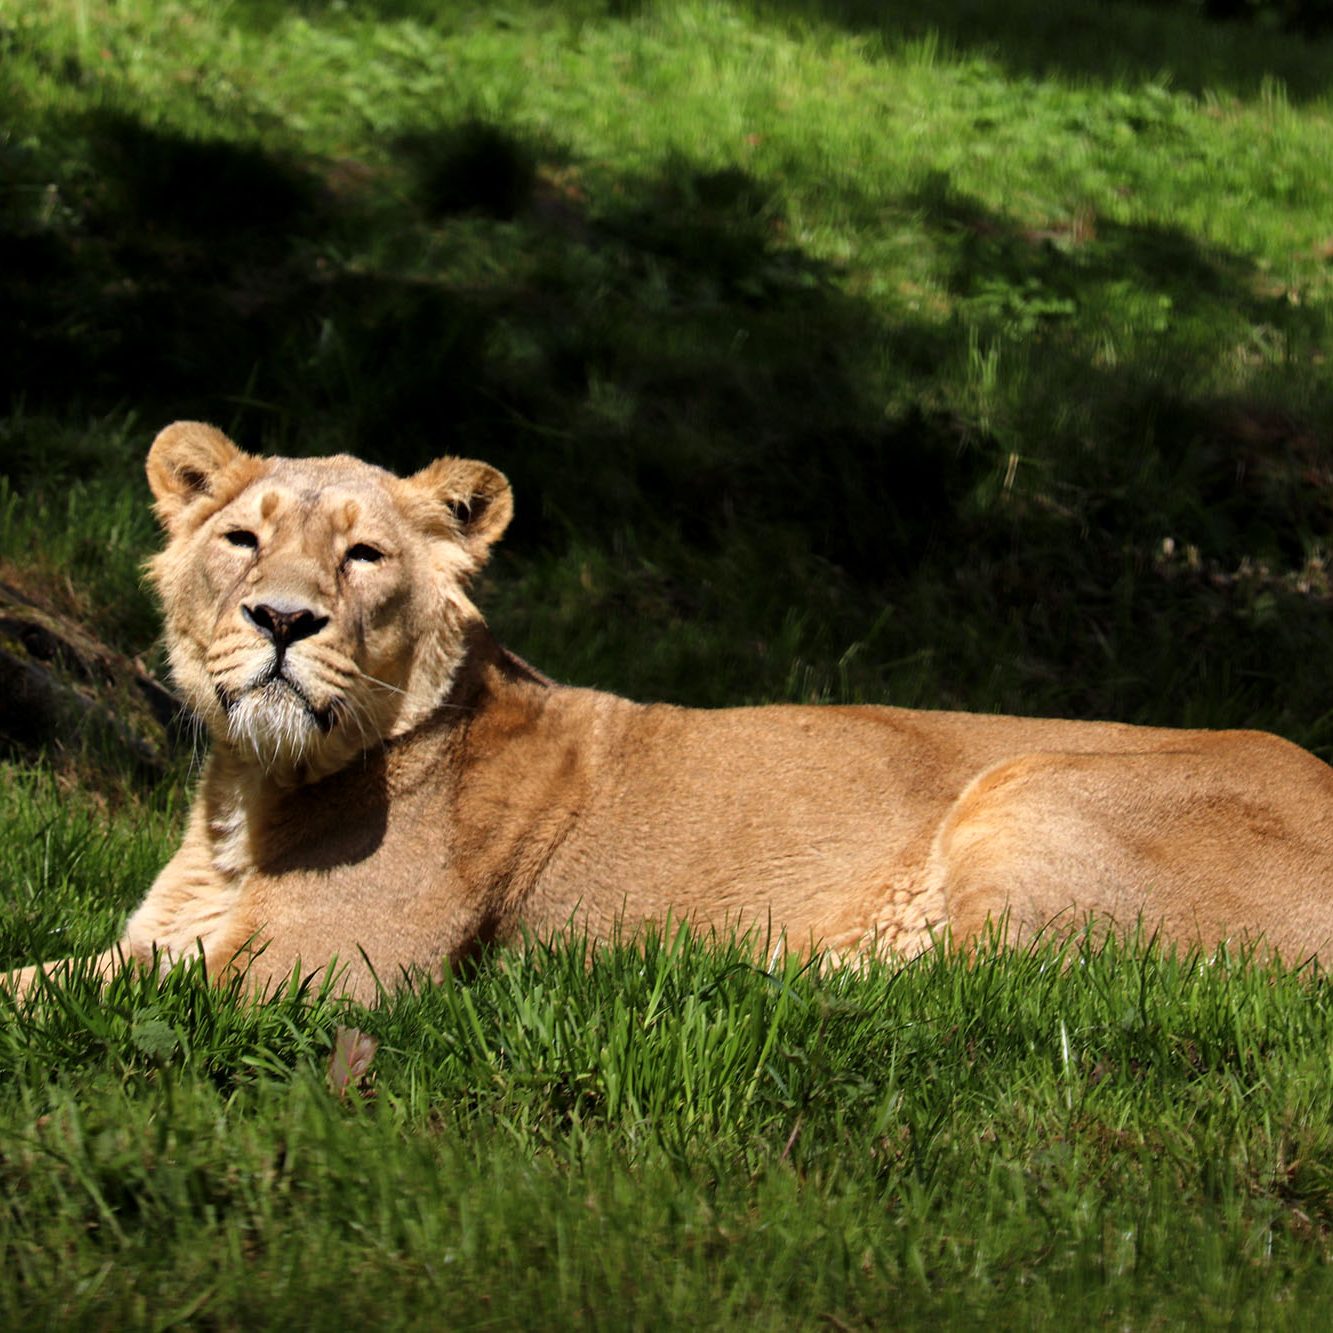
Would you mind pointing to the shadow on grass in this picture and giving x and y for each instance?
(651, 355)
(667, 358)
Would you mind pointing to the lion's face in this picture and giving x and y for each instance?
(315, 608)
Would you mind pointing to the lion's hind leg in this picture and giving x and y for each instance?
(1194, 847)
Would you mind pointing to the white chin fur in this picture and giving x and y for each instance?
(274, 725)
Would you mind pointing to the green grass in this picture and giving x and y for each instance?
(670, 1134)
(950, 354)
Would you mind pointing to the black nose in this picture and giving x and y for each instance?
(284, 627)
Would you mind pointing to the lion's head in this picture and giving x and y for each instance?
(315, 607)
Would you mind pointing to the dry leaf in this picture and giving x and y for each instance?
(353, 1050)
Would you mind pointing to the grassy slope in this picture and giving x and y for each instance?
(831, 354)
(847, 363)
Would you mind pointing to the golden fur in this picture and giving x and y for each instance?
(388, 787)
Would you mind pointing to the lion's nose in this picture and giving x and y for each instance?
(284, 625)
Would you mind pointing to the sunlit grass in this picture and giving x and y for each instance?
(669, 1133)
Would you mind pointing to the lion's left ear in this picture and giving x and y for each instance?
(472, 499)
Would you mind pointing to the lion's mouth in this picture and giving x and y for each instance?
(274, 686)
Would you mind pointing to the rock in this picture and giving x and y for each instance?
(68, 696)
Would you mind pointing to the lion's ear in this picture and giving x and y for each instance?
(187, 462)
(473, 500)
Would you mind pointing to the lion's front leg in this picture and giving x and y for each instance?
(25, 980)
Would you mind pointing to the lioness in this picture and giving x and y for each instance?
(390, 788)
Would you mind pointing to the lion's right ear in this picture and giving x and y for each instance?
(188, 461)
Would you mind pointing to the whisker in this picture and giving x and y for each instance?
(383, 684)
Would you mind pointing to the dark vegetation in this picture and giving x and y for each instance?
(1308, 17)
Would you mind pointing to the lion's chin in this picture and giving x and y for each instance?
(278, 724)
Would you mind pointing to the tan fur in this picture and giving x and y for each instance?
(411, 791)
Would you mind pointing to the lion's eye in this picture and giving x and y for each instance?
(240, 537)
(367, 555)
